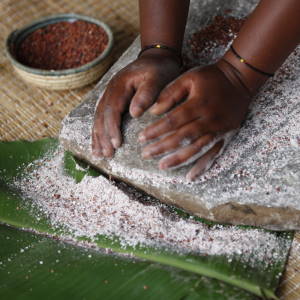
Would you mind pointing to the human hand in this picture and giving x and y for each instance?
(215, 104)
(138, 84)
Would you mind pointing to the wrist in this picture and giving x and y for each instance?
(235, 78)
(161, 53)
(251, 79)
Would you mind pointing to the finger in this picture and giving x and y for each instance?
(102, 145)
(97, 127)
(112, 123)
(96, 148)
(101, 140)
(106, 129)
(188, 154)
(184, 136)
(178, 117)
(144, 97)
(106, 145)
(206, 161)
(170, 95)
(119, 99)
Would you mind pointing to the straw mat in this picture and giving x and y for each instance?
(30, 113)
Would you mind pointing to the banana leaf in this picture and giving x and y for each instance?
(36, 267)
(15, 211)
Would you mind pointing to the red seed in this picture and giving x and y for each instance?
(62, 45)
(220, 32)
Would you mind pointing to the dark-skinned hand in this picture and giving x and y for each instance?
(215, 103)
(136, 86)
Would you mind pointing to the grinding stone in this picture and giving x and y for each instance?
(256, 180)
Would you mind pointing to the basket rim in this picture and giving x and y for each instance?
(51, 19)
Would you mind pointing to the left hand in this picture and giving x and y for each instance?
(215, 104)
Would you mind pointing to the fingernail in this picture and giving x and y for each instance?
(153, 109)
(115, 142)
(142, 138)
(146, 154)
(189, 177)
(136, 112)
(97, 152)
(163, 165)
(106, 152)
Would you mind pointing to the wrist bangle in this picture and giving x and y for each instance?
(160, 46)
(242, 60)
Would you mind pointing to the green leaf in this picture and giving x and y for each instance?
(35, 267)
(260, 280)
(15, 156)
(76, 168)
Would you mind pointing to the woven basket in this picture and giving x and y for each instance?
(62, 79)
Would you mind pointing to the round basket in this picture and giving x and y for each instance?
(61, 79)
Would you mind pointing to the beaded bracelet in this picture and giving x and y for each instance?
(160, 46)
(242, 60)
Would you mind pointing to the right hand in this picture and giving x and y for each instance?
(137, 86)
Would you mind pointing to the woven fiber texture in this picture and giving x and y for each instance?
(30, 113)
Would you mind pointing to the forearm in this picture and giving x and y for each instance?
(163, 22)
(269, 35)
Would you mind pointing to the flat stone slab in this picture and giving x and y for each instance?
(257, 179)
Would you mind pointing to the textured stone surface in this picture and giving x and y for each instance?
(255, 182)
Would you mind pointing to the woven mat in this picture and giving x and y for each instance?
(31, 113)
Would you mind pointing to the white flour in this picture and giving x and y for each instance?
(97, 206)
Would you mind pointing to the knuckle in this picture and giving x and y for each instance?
(186, 134)
(166, 93)
(120, 79)
(206, 112)
(171, 121)
(170, 143)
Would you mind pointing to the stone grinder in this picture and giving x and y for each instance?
(257, 179)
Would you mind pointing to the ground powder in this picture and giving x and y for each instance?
(99, 206)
